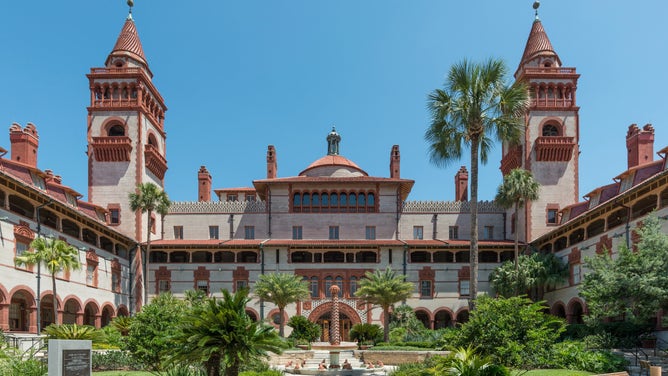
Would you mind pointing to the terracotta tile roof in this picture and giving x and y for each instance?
(128, 42)
(537, 44)
(333, 160)
(333, 243)
(185, 242)
(425, 242)
(481, 243)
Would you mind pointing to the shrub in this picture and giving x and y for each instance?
(268, 372)
(303, 330)
(413, 369)
(366, 333)
(513, 331)
(114, 360)
(574, 355)
(74, 331)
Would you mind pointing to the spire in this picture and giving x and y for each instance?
(128, 44)
(538, 44)
(333, 139)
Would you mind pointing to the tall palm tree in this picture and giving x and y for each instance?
(148, 198)
(220, 332)
(518, 188)
(56, 255)
(281, 289)
(474, 105)
(384, 288)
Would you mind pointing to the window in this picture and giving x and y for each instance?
(315, 293)
(203, 285)
(232, 197)
(576, 274)
(249, 232)
(425, 289)
(550, 130)
(418, 232)
(296, 232)
(241, 284)
(353, 286)
(464, 286)
(71, 199)
(489, 232)
(333, 232)
(163, 285)
(178, 232)
(453, 232)
(21, 248)
(328, 285)
(250, 197)
(552, 216)
(115, 283)
(114, 216)
(37, 181)
(213, 232)
(370, 232)
(91, 274)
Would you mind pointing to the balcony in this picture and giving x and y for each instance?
(112, 149)
(512, 160)
(155, 162)
(554, 149)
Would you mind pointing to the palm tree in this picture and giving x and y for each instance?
(384, 288)
(56, 255)
(281, 289)
(148, 198)
(518, 188)
(220, 331)
(474, 105)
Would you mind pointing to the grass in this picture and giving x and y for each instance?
(122, 373)
(551, 372)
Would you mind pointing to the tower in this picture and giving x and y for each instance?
(549, 145)
(126, 136)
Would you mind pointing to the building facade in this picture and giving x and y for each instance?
(330, 223)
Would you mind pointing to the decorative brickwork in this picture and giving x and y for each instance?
(155, 162)
(218, 207)
(554, 149)
(448, 207)
(112, 149)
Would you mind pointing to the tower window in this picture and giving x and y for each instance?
(550, 130)
(116, 131)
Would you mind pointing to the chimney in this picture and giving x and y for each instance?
(640, 145)
(24, 143)
(203, 185)
(462, 184)
(395, 162)
(272, 166)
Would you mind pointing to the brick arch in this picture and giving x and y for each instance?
(463, 310)
(76, 299)
(78, 314)
(254, 312)
(555, 121)
(27, 290)
(557, 308)
(122, 311)
(343, 308)
(451, 315)
(570, 308)
(45, 293)
(112, 121)
(4, 295)
(430, 316)
(107, 308)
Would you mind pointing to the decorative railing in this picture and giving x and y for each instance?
(112, 149)
(513, 159)
(224, 207)
(549, 70)
(155, 162)
(448, 207)
(554, 149)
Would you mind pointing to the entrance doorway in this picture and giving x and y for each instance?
(325, 322)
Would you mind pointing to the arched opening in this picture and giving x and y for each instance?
(617, 218)
(70, 311)
(107, 316)
(122, 312)
(323, 317)
(366, 256)
(333, 256)
(19, 315)
(301, 257)
(70, 228)
(247, 256)
(663, 202)
(420, 256)
(178, 257)
(596, 228)
(643, 206)
(90, 311)
(488, 256)
(560, 244)
(442, 319)
(252, 315)
(159, 256)
(559, 310)
(48, 218)
(576, 236)
(224, 256)
(443, 256)
(47, 311)
(424, 318)
(462, 256)
(576, 313)
(89, 237)
(507, 256)
(116, 130)
(550, 130)
(202, 257)
(106, 244)
(462, 316)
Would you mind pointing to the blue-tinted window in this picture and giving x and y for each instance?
(297, 199)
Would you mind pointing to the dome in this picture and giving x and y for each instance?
(333, 166)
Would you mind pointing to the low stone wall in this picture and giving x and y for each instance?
(397, 357)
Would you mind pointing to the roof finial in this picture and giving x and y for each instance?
(131, 3)
(333, 139)
(536, 5)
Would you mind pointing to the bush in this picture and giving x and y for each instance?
(413, 369)
(24, 367)
(364, 333)
(303, 330)
(514, 331)
(114, 360)
(269, 372)
(574, 355)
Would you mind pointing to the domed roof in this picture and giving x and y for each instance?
(333, 166)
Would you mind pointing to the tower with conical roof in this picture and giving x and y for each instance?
(549, 146)
(126, 135)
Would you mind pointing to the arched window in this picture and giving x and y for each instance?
(297, 200)
(344, 200)
(324, 199)
(328, 284)
(370, 199)
(334, 200)
(116, 130)
(353, 286)
(152, 141)
(315, 292)
(550, 130)
(361, 200)
(315, 199)
(352, 200)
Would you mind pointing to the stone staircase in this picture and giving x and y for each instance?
(640, 361)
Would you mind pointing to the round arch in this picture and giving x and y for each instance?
(443, 318)
(110, 127)
(425, 316)
(122, 311)
(462, 315)
(21, 306)
(253, 314)
(553, 121)
(575, 310)
(72, 309)
(91, 311)
(108, 314)
(558, 309)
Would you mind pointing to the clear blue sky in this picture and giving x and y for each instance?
(240, 75)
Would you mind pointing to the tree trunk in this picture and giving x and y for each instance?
(281, 324)
(232, 369)
(148, 256)
(213, 365)
(55, 299)
(386, 324)
(475, 146)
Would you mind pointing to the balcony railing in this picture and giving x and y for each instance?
(554, 149)
(155, 162)
(112, 149)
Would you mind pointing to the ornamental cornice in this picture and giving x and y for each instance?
(448, 207)
(224, 207)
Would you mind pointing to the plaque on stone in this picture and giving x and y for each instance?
(76, 363)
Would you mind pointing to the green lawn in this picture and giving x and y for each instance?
(122, 373)
(551, 372)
